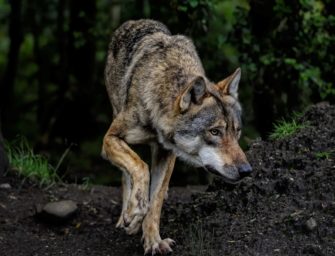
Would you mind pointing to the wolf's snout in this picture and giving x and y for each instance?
(244, 170)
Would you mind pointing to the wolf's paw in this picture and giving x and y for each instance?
(134, 225)
(158, 246)
(120, 222)
(132, 218)
(131, 228)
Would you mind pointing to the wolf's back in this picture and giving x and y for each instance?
(122, 50)
(130, 33)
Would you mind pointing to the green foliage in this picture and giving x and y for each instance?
(30, 165)
(4, 39)
(284, 129)
(287, 48)
(324, 154)
(87, 183)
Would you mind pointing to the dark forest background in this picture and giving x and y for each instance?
(52, 57)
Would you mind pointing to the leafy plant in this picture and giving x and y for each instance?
(30, 165)
(287, 51)
(283, 129)
(86, 183)
(324, 154)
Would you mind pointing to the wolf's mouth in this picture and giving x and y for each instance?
(212, 170)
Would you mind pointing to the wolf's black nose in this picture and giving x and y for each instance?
(244, 170)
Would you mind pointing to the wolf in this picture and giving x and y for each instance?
(161, 96)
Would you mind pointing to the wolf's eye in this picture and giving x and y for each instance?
(215, 132)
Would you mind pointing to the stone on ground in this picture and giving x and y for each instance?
(59, 211)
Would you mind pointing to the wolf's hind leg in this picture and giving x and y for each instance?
(116, 150)
(126, 189)
(161, 170)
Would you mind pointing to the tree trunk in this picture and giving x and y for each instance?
(36, 14)
(80, 64)
(82, 42)
(63, 38)
(49, 115)
(3, 157)
(8, 80)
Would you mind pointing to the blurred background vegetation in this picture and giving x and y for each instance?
(52, 56)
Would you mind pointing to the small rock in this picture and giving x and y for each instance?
(12, 197)
(58, 212)
(313, 249)
(5, 186)
(311, 224)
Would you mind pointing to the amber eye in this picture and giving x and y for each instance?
(215, 132)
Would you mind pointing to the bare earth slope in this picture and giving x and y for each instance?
(275, 212)
(287, 208)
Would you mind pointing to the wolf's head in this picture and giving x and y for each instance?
(208, 127)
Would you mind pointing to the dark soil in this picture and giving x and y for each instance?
(286, 208)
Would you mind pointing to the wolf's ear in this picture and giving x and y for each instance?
(229, 86)
(194, 93)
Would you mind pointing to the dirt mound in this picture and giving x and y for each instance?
(288, 207)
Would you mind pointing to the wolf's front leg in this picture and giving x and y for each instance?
(162, 167)
(120, 154)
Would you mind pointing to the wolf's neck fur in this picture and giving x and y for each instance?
(191, 159)
(169, 63)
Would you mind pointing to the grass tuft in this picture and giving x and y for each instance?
(324, 154)
(200, 243)
(86, 183)
(284, 129)
(30, 165)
